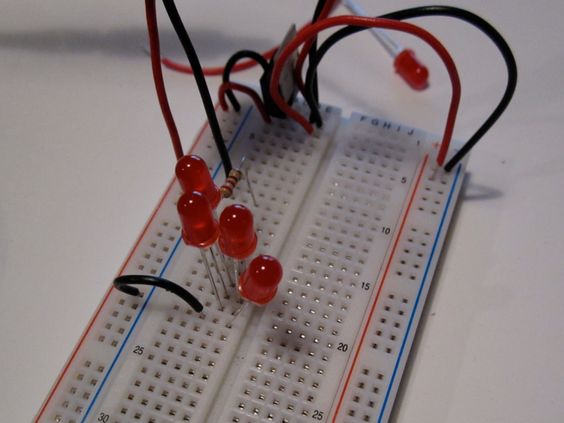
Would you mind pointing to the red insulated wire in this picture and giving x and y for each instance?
(153, 31)
(246, 64)
(218, 70)
(325, 12)
(312, 30)
(246, 90)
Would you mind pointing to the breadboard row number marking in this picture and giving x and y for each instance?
(386, 270)
(111, 288)
(131, 329)
(141, 311)
(424, 279)
(103, 303)
(161, 274)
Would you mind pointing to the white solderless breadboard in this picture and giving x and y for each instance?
(357, 214)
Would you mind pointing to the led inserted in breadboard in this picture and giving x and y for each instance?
(357, 214)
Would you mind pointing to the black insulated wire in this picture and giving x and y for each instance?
(123, 284)
(243, 54)
(313, 49)
(417, 12)
(192, 56)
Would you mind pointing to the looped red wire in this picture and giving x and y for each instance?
(246, 90)
(218, 70)
(312, 30)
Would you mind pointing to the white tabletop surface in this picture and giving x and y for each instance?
(84, 156)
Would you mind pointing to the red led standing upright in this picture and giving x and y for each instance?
(199, 228)
(193, 175)
(260, 281)
(237, 237)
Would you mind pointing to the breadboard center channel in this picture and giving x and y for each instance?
(357, 214)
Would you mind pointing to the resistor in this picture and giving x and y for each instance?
(230, 183)
(235, 175)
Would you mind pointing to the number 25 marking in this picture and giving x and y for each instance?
(317, 415)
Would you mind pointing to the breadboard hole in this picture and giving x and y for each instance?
(78, 392)
(367, 391)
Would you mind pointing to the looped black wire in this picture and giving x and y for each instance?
(242, 54)
(416, 12)
(123, 284)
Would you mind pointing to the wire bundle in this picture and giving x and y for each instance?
(390, 21)
(447, 11)
(306, 38)
(312, 30)
(198, 73)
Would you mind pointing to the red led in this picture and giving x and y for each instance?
(199, 227)
(260, 281)
(193, 175)
(237, 237)
(411, 70)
